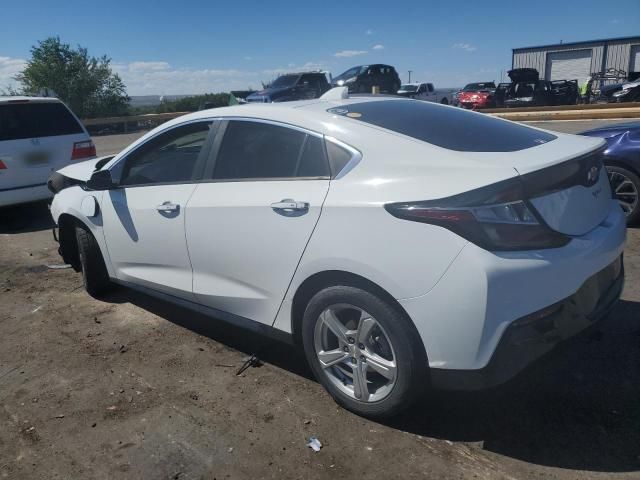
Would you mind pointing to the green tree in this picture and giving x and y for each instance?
(85, 83)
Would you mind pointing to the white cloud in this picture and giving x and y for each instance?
(464, 46)
(147, 78)
(377, 47)
(349, 53)
(145, 66)
(248, 59)
(9, 68)
(368, 32)
(615, 21)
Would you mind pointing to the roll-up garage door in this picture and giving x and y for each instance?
(635, 59)
(569, 65)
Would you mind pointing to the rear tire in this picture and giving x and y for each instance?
(444, 101)
(384, 353)
(625, 186)
(94, 272)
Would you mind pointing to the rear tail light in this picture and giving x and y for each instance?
(2, 165)
(504, 226)
(83, 150)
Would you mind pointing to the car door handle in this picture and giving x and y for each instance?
(290, 205)
(167, 207)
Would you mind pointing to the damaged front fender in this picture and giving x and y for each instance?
(75, 174)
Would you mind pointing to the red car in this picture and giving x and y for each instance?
(477, 95)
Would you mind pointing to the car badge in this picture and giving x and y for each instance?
(35, 141)
(593, 174)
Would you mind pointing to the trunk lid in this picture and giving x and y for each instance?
(31, 161)
(527, 75)
(572, 197)
(564, 179)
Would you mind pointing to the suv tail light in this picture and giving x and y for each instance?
(83, 150)
(479, 216)
(2, 165)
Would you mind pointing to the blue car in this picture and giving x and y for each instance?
(622, 159)
(293, 86)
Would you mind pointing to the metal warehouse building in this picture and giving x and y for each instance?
(577, 60)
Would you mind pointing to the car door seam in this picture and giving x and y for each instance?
(184, 229)
(295, 270)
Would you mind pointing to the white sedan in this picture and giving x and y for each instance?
(402, 244)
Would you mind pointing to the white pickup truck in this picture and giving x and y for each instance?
(427, 92)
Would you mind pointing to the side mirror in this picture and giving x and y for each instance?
(101, 180)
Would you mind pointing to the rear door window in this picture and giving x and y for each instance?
(36, 120)
(450, 128)
(258, 150)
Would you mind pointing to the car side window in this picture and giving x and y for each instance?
(171, 157)
(257, 150)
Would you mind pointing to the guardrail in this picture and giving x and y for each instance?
(561, 112)
(148, 120)
(557, 108)
(582, 114)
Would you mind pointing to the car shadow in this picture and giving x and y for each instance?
(29, 217)
(576, 409)
(272, 351)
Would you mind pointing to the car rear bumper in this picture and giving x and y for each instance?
(464, 317)
(530, 337)
(26, 194)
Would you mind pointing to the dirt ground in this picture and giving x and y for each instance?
(131, 387)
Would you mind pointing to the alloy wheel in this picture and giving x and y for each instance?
(624, 191)
(355, 353)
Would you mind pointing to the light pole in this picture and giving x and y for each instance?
(410, 71)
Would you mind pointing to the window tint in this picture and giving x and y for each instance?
(261, 150)
(313, 162)
(36, 120)
(451, 128)
(338, 157)
(170, 157)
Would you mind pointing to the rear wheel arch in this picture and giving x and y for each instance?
(621, 163)
(321, 280)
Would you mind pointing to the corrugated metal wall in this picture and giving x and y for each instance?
(618, 55)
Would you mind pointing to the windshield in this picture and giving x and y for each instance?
(352, 72)
(474, 87)
(409, 88)
(284, 81)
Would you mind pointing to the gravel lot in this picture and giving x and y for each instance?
(131, 387)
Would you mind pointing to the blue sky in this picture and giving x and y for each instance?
(182, 47)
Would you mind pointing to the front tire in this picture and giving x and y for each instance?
(364, 351)
(625, 186)
(94, 272)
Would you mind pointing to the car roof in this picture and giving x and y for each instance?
(310, 114)
(25, 99)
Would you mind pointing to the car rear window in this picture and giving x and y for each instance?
(36, 120)
(446, 127)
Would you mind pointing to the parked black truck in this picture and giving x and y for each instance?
(527, 90)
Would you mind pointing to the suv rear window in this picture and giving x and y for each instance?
(36, 120)
(446, 127)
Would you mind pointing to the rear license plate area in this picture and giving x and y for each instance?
(37, 159)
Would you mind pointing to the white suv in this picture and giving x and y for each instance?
(37, 137)
(400, 243)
